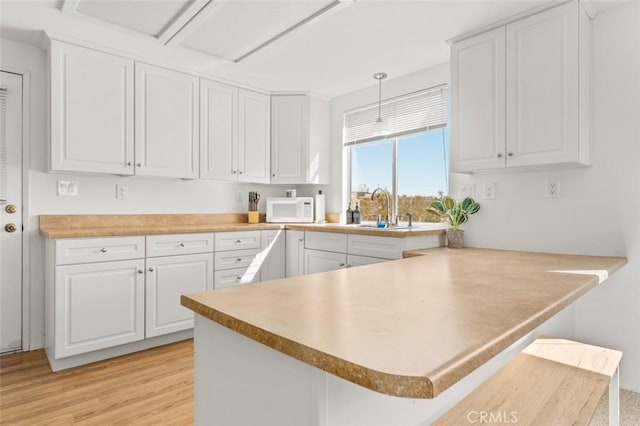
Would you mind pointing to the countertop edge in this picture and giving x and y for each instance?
(385, 383)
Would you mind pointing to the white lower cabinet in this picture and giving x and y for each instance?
(167, 278)
(323, 261)
(294, 256)
(272, 255)
(98, 305)
(237, 258)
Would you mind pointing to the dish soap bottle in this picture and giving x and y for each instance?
(349, 214)
(356, 214)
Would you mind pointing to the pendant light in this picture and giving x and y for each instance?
(380, 127)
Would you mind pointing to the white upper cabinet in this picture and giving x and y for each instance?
(91, 97)
(478, 102)
(167, 123)
(218, 130)
(254, 136)
(537, 112)
(299, 139)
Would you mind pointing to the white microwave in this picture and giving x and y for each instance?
(283, 209)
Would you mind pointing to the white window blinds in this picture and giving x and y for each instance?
(3, 145)
(419, 111)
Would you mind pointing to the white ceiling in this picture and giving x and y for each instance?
(333, 54)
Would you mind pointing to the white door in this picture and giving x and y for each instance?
(323, 261)
(254, 136)
(289, 138)
(542, 88)
(272, 255)
(294, 253)
(218, 131)
(167, 123)
(91, 111)
(98, 305)
(478, 102)
(167, 278)
(11, 213)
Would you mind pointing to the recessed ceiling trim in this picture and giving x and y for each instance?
(180, 21)
(69, 6)
(294, 27)
(196, 21)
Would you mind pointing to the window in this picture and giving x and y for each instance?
(411, 163)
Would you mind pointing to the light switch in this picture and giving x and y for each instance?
(68, 188)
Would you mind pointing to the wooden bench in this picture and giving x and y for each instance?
(552, 382)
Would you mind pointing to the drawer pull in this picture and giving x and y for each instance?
(150, 269)
(140, 271)
(103, 250)
(181, 245)
(238, 279)
(238, 241)
(238, 260)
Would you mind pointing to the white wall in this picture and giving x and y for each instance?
(599, 208)
(97, 193)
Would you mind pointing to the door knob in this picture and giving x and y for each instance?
(11, 208)
(10, 227)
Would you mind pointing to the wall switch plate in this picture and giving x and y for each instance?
(122, 192)
(466, 190)
(552, 189)
(489, 191)
(68, 188)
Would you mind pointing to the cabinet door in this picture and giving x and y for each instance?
(272, 255)
(289, 138)
(91, 111)
(542, 88)
(98, 305)
(167, 278)
(323, 261)
(478, 102)
(294, 258)
(167, 117)
(218, 131)
(353, 261)
(254, 135)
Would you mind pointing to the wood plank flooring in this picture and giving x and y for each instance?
(149, 387)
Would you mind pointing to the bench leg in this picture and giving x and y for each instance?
(614, 399)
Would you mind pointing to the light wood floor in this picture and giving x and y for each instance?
(149, 387)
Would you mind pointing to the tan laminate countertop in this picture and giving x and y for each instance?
(84, 226)
(411, 327)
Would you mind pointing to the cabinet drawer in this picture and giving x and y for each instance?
(88, 250)
(235, 259)
(327, 241)
(237, 240)
(170, 245)
(382, 247)
(353, 260)
(235, 277)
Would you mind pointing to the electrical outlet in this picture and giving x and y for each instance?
(489, 191)
(552, 189)
(68, 187)
(122, 192)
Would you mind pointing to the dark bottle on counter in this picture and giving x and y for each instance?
(356, 214)
(349, 215)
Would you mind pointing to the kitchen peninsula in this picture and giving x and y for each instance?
(393, 343)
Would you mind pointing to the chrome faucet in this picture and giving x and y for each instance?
(389, 205)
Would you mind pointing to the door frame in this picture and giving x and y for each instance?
(26, 229)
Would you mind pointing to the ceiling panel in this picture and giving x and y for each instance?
(238, 26)
(146, 16)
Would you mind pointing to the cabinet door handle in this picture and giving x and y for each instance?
(240, 172)
(129, 163)
(510, 154)
(139, 164)
(499, 155)
(150, 269)
(233, 172)
(181, 245)
(342, 265)
(238, 279)
(238, 241)
(103, 250)
(274, 175)
(140, 271)
(349, 265)
(300, 240)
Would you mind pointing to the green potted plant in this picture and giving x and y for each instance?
(455, 213)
